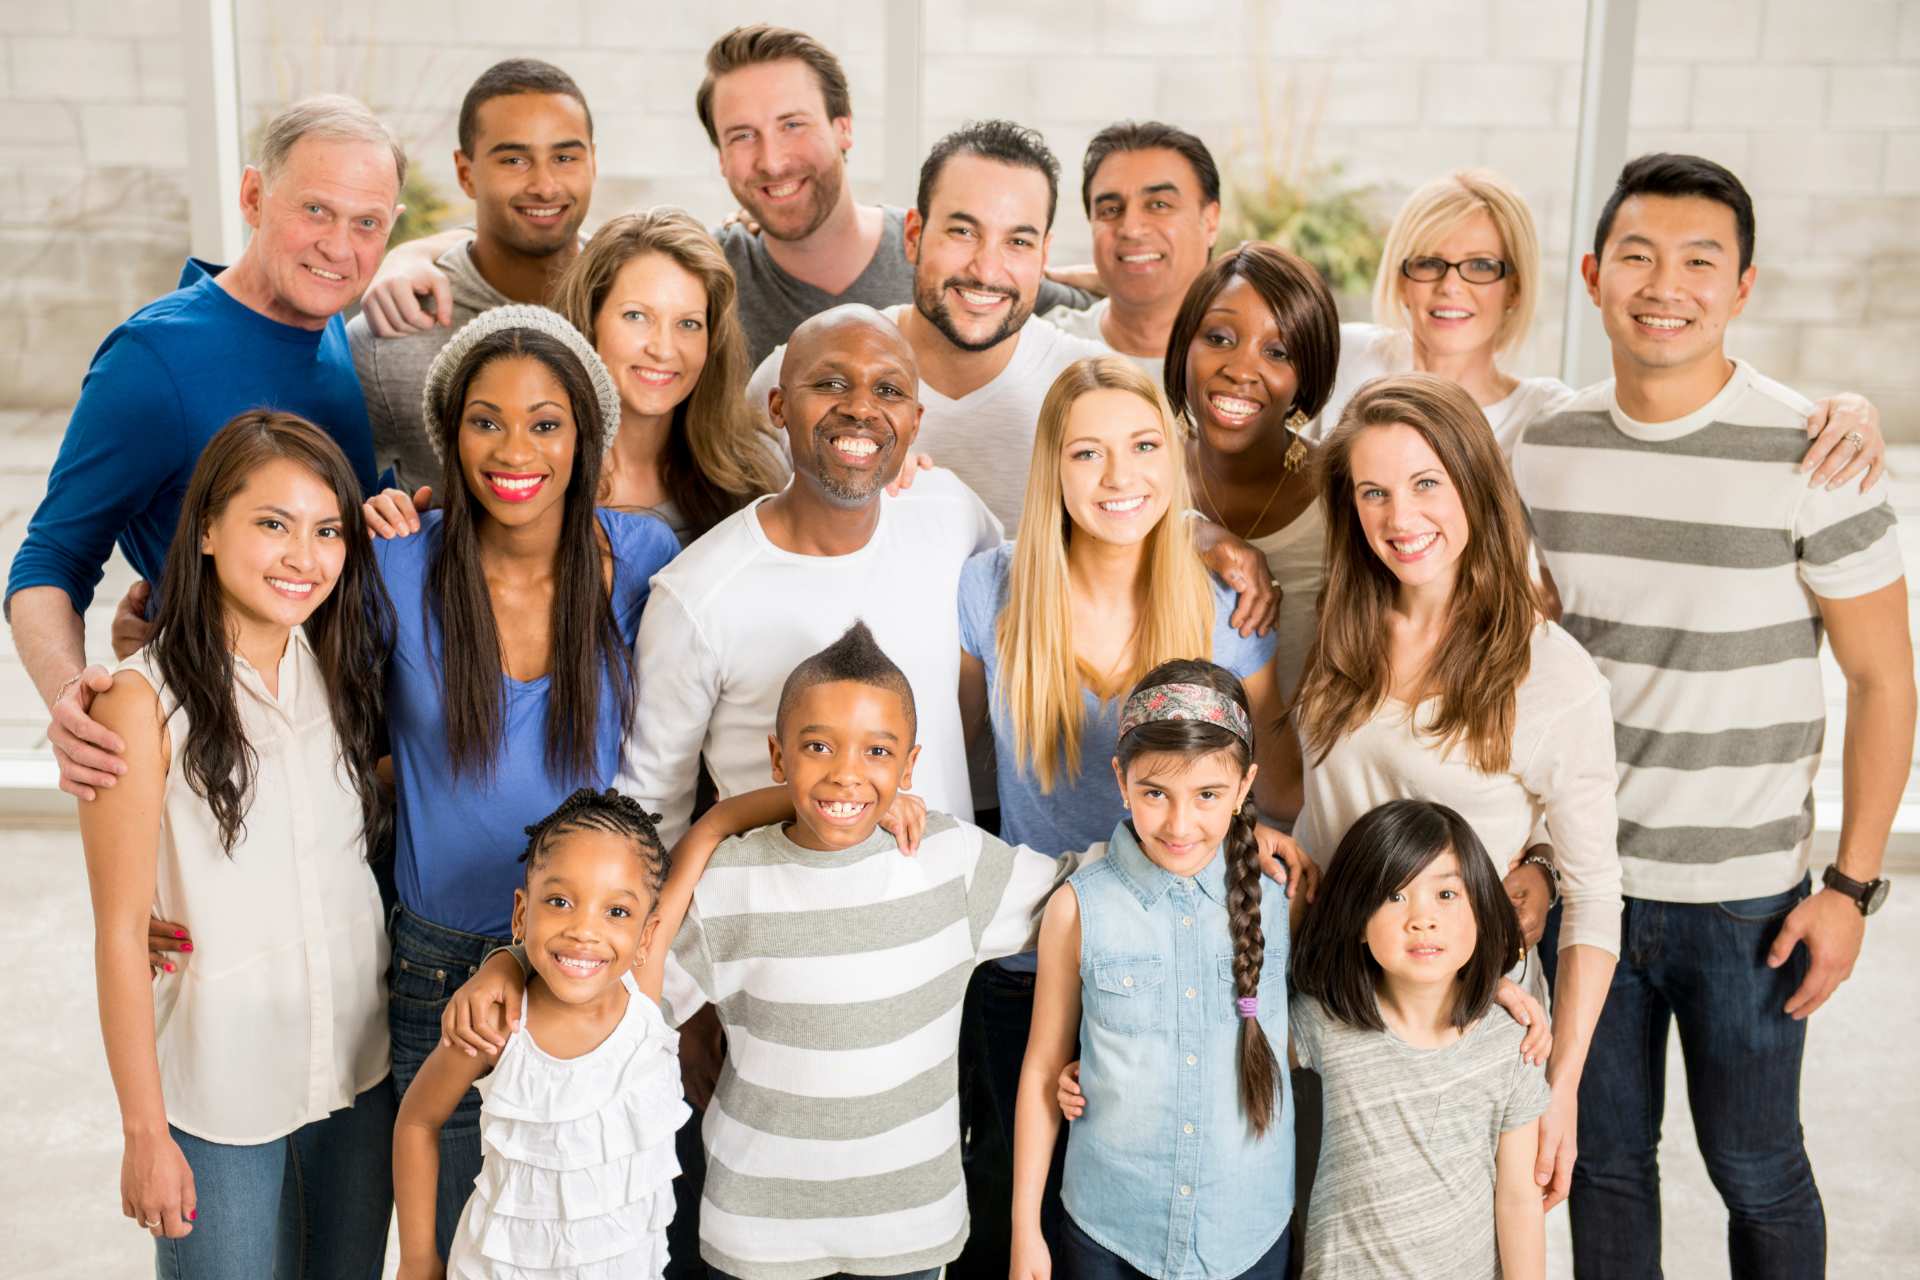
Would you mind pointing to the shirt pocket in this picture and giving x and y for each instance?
(1127, 995)
(1273, 985)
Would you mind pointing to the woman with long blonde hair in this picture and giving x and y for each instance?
(1433, 676)
(655, 296)
(1102, 586)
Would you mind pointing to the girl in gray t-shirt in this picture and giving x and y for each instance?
(1431, 1114)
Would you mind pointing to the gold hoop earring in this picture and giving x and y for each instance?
(1297, 451)
(1237, 808)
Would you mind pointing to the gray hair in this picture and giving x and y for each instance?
(332, 116)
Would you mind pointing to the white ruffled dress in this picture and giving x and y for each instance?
(577, 1181)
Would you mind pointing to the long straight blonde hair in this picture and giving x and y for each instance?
(1040, 678)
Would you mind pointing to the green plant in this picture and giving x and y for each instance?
(423, 211)
(1277, 191)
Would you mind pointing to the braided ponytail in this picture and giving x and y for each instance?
(1259, 1072)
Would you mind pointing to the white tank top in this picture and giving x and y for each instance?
(279, 1014)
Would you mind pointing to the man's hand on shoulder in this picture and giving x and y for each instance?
(409, 273)
(130, 626)
(87, 751)
(1845, 430)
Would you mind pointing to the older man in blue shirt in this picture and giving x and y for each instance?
(263, 333)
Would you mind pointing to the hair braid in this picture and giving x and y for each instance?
(1259, 1072)
(602, 811)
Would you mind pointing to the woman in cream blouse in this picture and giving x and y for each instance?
(258, 1061)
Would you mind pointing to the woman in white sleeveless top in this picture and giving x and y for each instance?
(258, 1064)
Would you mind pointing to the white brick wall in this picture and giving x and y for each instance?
(1816, 105)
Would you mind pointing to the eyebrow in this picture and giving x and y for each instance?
(1143, 431)
(889, 735)
(571, 144)
(270, 509)
(1696, 242)
(1026, 228)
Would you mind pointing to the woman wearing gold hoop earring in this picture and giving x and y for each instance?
(1251, 359)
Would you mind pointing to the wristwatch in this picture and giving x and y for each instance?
(1869, 897)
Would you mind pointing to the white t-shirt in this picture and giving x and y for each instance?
(1558, 786)
(985, 437)
(1086, 324)
(1296, 558)
(1369, 351)
(733, 615)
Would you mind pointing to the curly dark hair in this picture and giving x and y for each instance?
(590, 810)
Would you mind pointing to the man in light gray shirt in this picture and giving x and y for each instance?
(526, 158)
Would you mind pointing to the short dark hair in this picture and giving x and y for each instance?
(590, 810)
(1302, 306)
(763, 42)
(857, 657)
(1002, 140)
(514, 76)
(1379, 856)
(1149, 135)
(1666, 174)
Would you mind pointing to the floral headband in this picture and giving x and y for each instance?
(1185, 702)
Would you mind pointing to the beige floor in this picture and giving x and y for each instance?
(59, 1199)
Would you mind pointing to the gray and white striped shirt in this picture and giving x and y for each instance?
(833, 1139)
(1688, 555)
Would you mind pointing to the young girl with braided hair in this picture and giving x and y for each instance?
(1168, 963)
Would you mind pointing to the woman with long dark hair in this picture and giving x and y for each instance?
(1433, 676)
(252, 1070)
(518, 604)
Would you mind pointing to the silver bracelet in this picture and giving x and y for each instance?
(1553, 875)
(61, 692)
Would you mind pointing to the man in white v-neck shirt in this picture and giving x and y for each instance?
(742, 606)
(978, 241)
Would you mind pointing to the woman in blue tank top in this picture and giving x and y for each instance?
(518, 604)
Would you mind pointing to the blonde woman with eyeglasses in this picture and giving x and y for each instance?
(1458, 288)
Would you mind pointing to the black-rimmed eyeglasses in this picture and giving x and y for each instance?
(1473, 270)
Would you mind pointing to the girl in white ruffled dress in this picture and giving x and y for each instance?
(581, 1105)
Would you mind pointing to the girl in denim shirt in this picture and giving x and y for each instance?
(1168, 963)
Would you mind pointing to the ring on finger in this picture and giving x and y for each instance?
(1855, 439)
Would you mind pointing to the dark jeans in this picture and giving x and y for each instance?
(1702, 965)
(1087, 1259)
(429, 964)
(1006, 1017)
(683, 1233)
(313, 1205)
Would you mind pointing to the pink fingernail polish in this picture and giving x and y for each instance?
(169, 968)
(192, 1214)
(186, 946)
(179, 933)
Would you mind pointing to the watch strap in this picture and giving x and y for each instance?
(1863, 893)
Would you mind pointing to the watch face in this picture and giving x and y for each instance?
(1876, 896)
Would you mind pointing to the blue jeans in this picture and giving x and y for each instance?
(313, 1205)
(1702, 965)
(429, 964)
(930, 1274)
(1084, 1258)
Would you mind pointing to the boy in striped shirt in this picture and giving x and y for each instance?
(1700, 570)
(838, 969)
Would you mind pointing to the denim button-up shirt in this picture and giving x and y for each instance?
(1163, 1167)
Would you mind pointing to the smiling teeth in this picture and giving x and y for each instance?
(1661, 322)
(1141, 257)
(1122, 504)
(541, 213)
(516, 485)
(298, 588)
(845, 808)
(784, 190)
(1234, 407)
(1414, 546)
(581, 966)
(856, 445)
(325, 275)
(983, 299)
(1448, 314)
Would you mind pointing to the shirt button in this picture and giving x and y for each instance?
(1189, 1129)
(1186, 920)
(1186, 1191)
(1126, 982)
(1189, 993)
(1191, 1059)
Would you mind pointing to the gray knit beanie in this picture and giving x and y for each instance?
(518, 316)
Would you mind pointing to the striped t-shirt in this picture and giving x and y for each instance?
(833, 1138)
(1688, 555)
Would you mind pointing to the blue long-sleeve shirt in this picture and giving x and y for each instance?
(161, 384)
